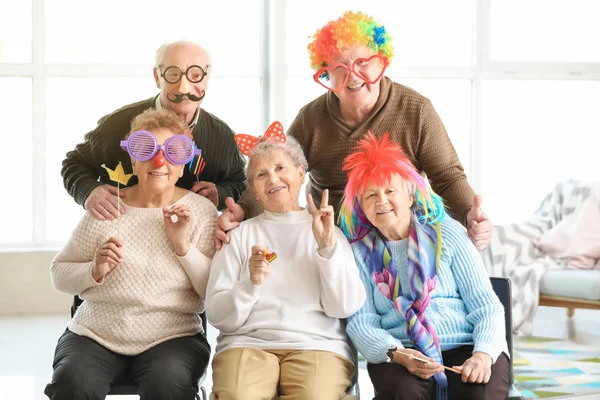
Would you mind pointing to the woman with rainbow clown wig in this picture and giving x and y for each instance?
(428, 295)
(350, 56)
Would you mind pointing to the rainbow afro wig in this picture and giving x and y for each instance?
(374, 161)
(350, 30)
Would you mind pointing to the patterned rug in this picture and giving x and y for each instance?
(553, 368)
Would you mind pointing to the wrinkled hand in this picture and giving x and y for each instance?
(423, 370)
(107, 257)
(322, 225)
(476, 369)
(479, 226)
(102, 203)
(178, 224)
(229, 219)
(259, 266)
(208, 190)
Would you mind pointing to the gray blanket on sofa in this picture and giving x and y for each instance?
(512, 252)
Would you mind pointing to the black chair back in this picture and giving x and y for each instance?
(503, 291)
(76, 303)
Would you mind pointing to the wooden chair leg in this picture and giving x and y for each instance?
(570, 312)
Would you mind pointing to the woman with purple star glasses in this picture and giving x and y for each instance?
(143, 146)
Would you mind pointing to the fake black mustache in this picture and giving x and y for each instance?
(180, 97)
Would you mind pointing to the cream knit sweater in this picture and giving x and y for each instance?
(153, 295)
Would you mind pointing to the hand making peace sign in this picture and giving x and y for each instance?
(322, 225)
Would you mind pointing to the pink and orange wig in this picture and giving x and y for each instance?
(374, 162)
(351, 29)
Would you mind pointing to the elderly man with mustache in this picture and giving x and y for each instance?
(181, 73)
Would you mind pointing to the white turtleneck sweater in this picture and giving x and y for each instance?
(301, 304)
(150, 297)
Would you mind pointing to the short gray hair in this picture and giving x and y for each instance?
(291, 148)
(161, 51)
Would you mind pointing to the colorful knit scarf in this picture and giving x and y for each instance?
(424, 250)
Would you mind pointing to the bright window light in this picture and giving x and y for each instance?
(425, 34)
(138, 27)
(537, 133)
(16, 163)
(545, 30)
(15, 31)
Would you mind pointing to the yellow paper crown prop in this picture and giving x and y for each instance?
(118, 175)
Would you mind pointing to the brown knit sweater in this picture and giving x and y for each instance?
(410, 120)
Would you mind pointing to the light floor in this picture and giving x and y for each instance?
(27, 347)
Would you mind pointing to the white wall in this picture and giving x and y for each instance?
(25, 286)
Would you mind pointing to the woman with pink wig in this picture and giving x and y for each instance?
(431, 326)
(350, 56)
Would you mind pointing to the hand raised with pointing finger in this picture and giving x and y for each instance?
(323, 225)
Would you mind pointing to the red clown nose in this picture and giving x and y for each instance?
(159, 159)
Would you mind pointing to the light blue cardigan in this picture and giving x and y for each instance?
(464, 308)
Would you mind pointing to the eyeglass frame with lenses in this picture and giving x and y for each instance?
(163, 74)
(349, 70)
(126, 145)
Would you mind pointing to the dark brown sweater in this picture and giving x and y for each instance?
(82, 171)
(410, 120)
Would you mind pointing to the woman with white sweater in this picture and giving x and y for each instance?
(430, 304)
(142, 278)
(279, 291)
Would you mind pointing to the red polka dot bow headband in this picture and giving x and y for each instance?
(247, 142)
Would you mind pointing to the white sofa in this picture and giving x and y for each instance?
(515, 252)
(570, 289)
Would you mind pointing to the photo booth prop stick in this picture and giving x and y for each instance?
(247, 142)
(196, 166)
(119, 176)
(426, 361)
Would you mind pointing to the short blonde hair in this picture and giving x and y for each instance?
(154, 119)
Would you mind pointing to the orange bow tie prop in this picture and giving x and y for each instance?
(247, 142)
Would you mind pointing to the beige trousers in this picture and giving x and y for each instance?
(253, 374)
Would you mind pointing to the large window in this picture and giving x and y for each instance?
(536, 134)
(17, 164)
(59, 74)
(516, 83)
(540, 94)
(545, 31)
